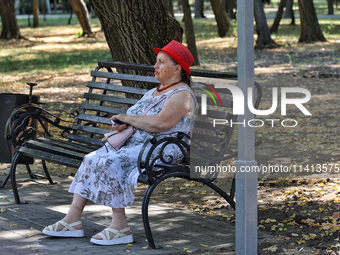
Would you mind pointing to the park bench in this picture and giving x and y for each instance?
(106, 97)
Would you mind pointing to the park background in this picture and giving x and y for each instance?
(300, 212)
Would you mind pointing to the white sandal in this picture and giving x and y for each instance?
(67, 231)
(119, 237)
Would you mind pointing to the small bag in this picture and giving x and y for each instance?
(117, 139)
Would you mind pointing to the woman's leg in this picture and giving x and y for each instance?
(118, 222)
(75, 212)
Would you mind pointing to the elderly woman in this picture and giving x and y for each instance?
(109, 177)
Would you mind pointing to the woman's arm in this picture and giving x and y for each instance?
(174, 109)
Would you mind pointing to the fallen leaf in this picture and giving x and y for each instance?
(273, 248)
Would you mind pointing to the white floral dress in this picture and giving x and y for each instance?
(110, 177)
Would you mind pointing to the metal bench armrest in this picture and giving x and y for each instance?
(155, 153)
(19, 125)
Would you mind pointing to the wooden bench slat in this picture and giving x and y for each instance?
(116, 88)
(99, 108)
(83, 139)
(125, 77)
(114, 99)
(225, 102)
(50, 157)
(206, 138)
(93, 119)
(38, 145)
(66, 144)
(89, 129)
(150, 68)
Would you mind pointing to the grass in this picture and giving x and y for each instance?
(41, 52)
(55, 46)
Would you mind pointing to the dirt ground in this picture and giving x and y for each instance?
(300, 210)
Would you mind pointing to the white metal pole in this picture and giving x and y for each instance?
(246, 182)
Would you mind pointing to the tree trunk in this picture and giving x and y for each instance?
(289, 13)
(330, 7)
(43, 8)
(263, 34)
(278, 17)
(169, 6)
(79, 8)
(221, 17)
(310, 29)
(70, 18)
(134, 27)
(230, 6)
(35, 9)
(189, 31)
(10, 29)
(199, 9)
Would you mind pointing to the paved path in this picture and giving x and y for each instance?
(173, 229)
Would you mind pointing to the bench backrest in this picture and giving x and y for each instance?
(106, 97)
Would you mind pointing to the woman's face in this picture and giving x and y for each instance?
(165, 68)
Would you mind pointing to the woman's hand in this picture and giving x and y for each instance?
(118, 127)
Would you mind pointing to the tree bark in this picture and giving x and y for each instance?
(278, 17)
(330, 4)
(310, 29)
(189, 31)
(134, 27)
(199, 9)
(223, 24)
(10, 29)
(169, 6)
(79, 8)
(263, 34)
(35, 9)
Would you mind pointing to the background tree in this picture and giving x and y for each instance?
(230, 5)
(199, 9)
(289, 13)
(223, 24)
(310, 29)
(263, 34)
(330, 4)
(35, 8)
(9, 21)
(79, 8)
(134, 27)
(189, 31)
(42, 3)
(278, 17)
